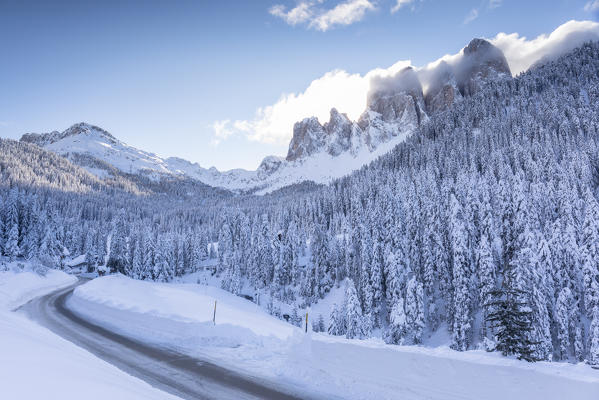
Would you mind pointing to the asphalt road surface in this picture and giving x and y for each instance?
(172, 372)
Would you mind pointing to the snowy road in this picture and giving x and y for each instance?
(175, 373)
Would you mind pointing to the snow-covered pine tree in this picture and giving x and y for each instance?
(563, 311)
(50, 248)
(398, 323)
(511, 321)
(594, 337)
(11, 225)
(321, 324)
(118, 245)
(377, 284)
(590, 253)
(337, 324)
(163, 270)
(414, 308)
(353, 313)
(540, 318)
(225, 248)
(320, 249)
(487, 281)
(462, 319)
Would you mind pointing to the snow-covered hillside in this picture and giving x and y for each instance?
(94, 142)
(97, 150)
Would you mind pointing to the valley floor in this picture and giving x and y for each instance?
(245, 338)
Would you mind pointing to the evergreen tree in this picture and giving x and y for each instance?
(511, 319)
(138, 259)
(321, 324)
(320, 249)
(353, 313)
(11, 226)
(563, 319)
(337, 324)
(540, 319)
(414, 308)
(461, 278)
(487, 278)
(594, 337)
(590, 253)
(376, 279)
(398, 326)
(117, 259)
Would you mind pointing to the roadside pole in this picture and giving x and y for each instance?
(306, 322)
(214, 315)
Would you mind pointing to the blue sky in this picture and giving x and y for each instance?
(161, 75)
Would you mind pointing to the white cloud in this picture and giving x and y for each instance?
(297, 15)
(495, 3)
(339, 89)
(521, 53)
(591, 6)
(401, 3)
(344, 13)
(348, 92)
(472, 15)
(222, 130)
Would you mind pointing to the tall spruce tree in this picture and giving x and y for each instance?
(511, 319)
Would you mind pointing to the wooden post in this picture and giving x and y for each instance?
(214, 315)
(306, 322)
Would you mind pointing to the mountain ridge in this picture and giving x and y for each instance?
(396, 107)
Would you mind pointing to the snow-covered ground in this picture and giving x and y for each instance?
(246, 338)
(20, 283)
(38, 364)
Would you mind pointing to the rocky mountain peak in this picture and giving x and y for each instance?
(308, 137)
(443, 89)
(478, 46)
(397, 100)
(405, 81)
(481, 62)
(269, 165)
(81, 128)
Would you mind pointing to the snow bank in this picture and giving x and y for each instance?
(177, 312)
(247, 339)
(372, 369)
(18, 287)
(39, 364)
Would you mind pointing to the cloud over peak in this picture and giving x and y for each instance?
(522, 53)
(348, 92)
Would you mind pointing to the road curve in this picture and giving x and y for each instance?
(172, 372)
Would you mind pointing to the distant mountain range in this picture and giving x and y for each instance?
(396, 106)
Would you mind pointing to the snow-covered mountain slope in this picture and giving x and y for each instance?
(396, 107)
(90, 140)
(96, 150)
